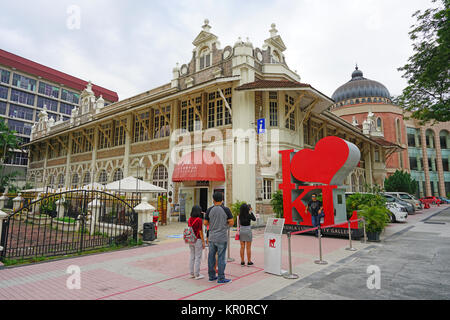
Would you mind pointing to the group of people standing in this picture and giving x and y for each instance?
(217, 220)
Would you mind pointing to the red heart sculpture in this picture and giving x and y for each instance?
(322, 163)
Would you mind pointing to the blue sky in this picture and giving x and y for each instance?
(132, 46)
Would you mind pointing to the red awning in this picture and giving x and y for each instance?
(201, 165)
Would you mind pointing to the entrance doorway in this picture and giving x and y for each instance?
(203, 201)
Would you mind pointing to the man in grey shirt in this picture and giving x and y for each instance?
(219, 218)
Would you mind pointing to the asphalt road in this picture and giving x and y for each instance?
(414, 263)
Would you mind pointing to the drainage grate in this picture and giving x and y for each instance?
(431, 222)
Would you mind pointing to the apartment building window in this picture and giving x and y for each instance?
(443, 136)
(24, 82)
(2, 107)
(190, 120)
(47, 103)
(69, 96)
(160, 177)
(119, 132)
(267, 189)
(22, 97)
(104, 136)
(141, 127)
(273, 109)
(19, 127)
(161, 124)
(411, 140)
(66, 108)
(17, 158)
(290, 117)
(118, 175)
(413, 163)
(3, 92)
(48, 90)
(445, 164)
(218, 114)
(16, 111)
(4, 76)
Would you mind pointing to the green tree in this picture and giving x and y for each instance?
(427, 71)
(8, 142)
(277, 203)
(400, 181)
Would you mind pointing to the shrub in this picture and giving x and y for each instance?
(277, 204)
(235, 210)
(358, 200)
(376, 218)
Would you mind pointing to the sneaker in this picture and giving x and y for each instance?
(250, 263)
(242, 263)
(213, 279)
(224, 281)
(200, 276)
(192, 276)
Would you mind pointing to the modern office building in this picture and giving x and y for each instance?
(217, 126)
(359, 97)
(26, 88)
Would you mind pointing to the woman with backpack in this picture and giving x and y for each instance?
(197, 244)
(245, 232)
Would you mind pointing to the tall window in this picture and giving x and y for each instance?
(443, 138)
(290, 120)
(47, 103)
(377, 155)
(141, 127)
(160, 177)
(4, 76)
(77, 143)
(3, 92)
(267, 189)
(104, 136)
(218, 114)
(87, 145)
(16, 111)
(118, 175)
(60, 180)
(2, 107)
(75, 180)
(379, 124)
(119, 132)
(413, 163)
(306, 128)
(398, 131)
(190, 120)
(87, 178)
(205, 58)
(273, 109)
(51, 181)
(161, 124)
(66, 108)
(24, 82)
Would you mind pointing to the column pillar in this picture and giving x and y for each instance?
(94, 154)
(3, 217)
(69, 154)
(439, 167)
(129, 136)
(426, 168)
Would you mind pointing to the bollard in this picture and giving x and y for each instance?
(229, 258)
(289, 274)
(350, 239)
(320, 249)
(364, 226)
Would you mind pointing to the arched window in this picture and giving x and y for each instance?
(61, 181)
(51, 181)
(430, 138)
(160, 177)
(276, 58)
(204, 58)
(398, 131)
(87, 178)
(103, 177)
(444, 139)
(75, 180)
(118, 175)
(379, 124)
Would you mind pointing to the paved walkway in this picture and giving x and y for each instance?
(160, 271)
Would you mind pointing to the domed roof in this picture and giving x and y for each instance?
(360, 87)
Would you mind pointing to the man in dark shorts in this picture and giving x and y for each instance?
(315, 208)
(219, 218)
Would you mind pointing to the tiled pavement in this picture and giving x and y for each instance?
(160, 271)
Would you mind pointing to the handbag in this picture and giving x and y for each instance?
(237, 236)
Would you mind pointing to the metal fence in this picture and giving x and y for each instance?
(69, 222)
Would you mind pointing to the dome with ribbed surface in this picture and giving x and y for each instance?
(360, 87)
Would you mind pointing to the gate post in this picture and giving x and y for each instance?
(3, 216)
(17, 202)
(3, 201)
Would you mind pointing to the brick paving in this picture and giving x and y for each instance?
(160, 271)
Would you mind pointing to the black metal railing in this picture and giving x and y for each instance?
(68, 222)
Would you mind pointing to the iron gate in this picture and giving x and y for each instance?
(68, 222)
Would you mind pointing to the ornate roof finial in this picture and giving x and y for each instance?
(206, 27)
(273, 31)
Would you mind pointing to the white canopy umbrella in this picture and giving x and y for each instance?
(131, 184)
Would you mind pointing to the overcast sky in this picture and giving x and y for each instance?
(132, 46)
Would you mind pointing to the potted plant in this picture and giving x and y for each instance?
(376, 220)
(277, 204)
(235, 210)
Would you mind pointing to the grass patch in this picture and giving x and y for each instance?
(66, 219)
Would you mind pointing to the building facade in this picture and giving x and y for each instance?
(217, 126)
(26, 88)
(360, 97)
